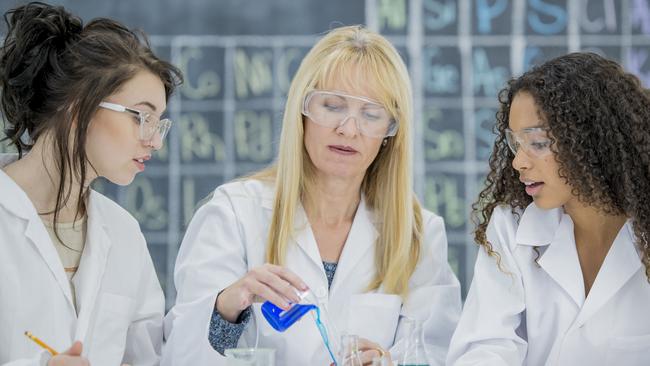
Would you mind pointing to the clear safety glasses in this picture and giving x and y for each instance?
(150, 125)
(333, 109)
(534, 141)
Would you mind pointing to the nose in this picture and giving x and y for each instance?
(521, 160)
(348, 129)
(155, 142)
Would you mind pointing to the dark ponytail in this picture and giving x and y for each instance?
(37, 35)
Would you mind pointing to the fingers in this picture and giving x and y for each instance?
(65, 360)
(367, 356)
(365, 345)
(71, 357)
(74, 350)
(289, 276)
(268, 282)
(370, 350)
(265, 292)
(278, 285)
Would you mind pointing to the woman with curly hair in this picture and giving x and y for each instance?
(563, 277)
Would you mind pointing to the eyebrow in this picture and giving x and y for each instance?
(536, 126)
(148, 104)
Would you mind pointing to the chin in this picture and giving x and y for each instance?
(123, 180)
(546, 204)
(343, 174)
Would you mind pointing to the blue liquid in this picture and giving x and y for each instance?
(281, 320)
(323, 334)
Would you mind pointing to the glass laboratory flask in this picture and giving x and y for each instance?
(281, 319)
(349, 354)
(414, 351)
(380, 361)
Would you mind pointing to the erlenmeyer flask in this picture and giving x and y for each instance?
(414, 351)
(350, 354)
(281, 319)
(380, 361)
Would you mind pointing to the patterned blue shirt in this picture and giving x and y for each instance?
(224, 334)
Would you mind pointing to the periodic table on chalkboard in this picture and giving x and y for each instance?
(460, 53)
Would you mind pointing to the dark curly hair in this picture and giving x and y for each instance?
(598, 117)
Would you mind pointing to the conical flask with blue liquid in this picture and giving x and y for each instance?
(282, 320)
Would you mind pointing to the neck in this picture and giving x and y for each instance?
(332, 201)
(593, 225)
(37, 174)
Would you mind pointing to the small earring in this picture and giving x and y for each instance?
(383, 143)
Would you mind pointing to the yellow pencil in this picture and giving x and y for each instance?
(41, 343)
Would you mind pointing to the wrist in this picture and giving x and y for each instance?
(221, 305)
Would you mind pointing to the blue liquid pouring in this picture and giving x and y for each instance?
(323, 334)
(281, 320)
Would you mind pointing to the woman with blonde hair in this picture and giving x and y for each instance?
(335, 214)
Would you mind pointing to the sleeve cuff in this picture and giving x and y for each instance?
(224, 334)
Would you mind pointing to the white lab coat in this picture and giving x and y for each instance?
(120, 300)
(538, 314)
(227, 238)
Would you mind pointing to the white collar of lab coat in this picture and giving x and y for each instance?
(553, 229)
(360, 240)
(537, 227)
(93, 258)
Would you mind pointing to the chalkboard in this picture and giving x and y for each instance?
(239, 56)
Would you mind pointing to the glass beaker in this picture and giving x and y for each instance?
(250, 357)
(349, 354)
(380, 361)
(414, 350)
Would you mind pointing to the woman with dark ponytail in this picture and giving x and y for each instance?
(80, 102)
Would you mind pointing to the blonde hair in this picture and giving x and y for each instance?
(387, 185)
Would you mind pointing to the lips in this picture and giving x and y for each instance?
(342, 149)
(139, 162)
(532, 187)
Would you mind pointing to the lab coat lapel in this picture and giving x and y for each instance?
(304, 237)
(37, 234)
(560, 261)
(92, 266)
(14, 199)
(360, 240)
(621, 263)
(552, 232)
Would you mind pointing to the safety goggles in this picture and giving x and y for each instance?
(150, 125)
(333, 109)
(534, 141)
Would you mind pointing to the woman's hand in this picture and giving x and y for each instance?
(71, 357)
(370, 350)
(269, 282)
